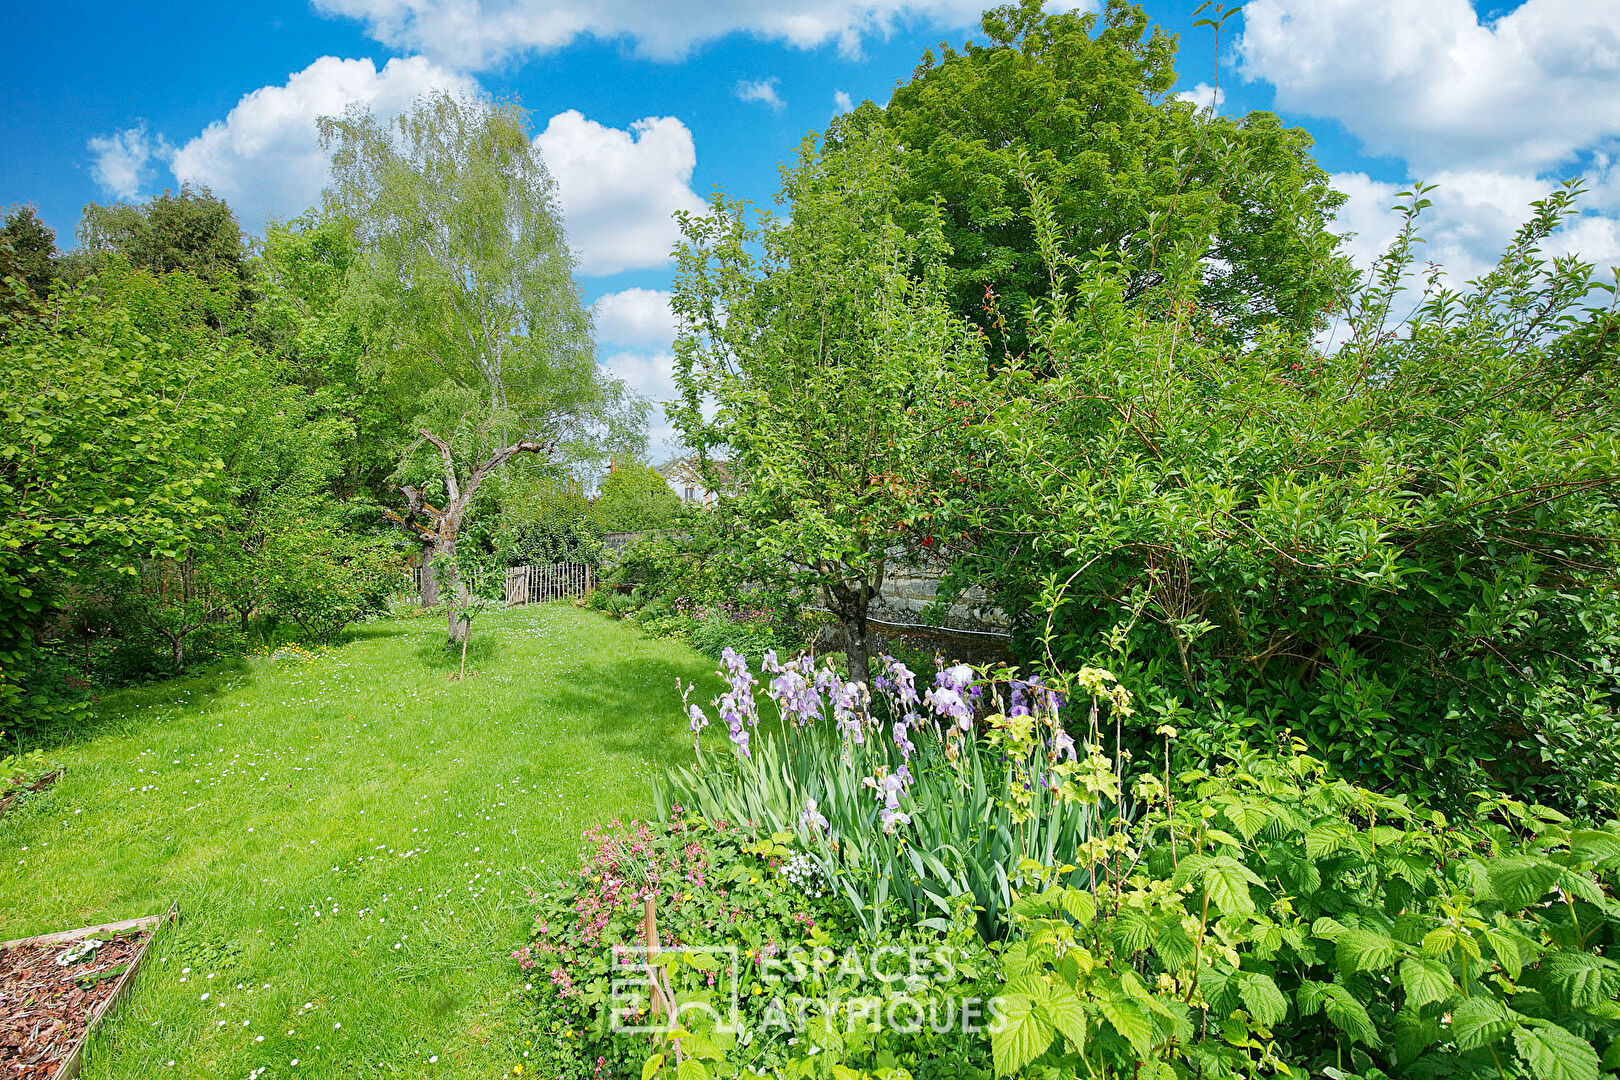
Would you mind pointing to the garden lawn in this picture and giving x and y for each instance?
(350, 840)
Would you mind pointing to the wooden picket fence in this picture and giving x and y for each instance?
(553, 581)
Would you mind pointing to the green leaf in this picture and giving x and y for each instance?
(1130, 1021)
(1552, 1053)
(1078, 903)
(1425, 981)
(692, 1069)
(1023, 1035)
(1506, 948)
(1365, 950)
(1597, 846)
(1580, 980)
(1519, 881)
(1068, 1014)
(1348, 1015)
(652, 1065)
(1226, 883)
(1262, 998)
(1479, 1022)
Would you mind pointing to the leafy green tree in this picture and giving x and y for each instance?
(1403, 551)
(1080, 102)
(835, 368)
(193, 230)
(325, 580)
(543, 519)
(106, 459)
(304, 319)
(468, 277)
(28, 251)
(635, 497)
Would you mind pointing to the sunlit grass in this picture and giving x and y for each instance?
(349, 839)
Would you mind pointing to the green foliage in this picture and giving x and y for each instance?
(105, 458)
(194, 231)
(464, 280)
(721, 885)
(542, 519)
(635, 497)
(27, 253)
(1404, 551)
(832, 372)
(325, 580)
(304, 319)
(1080, 101)
(1275, 920)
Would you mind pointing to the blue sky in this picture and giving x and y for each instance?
(644, 107)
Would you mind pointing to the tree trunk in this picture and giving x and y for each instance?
(430, 580)
(849, 604)
(442, 546)
(458, 625)
(177, 642)
(857, 648)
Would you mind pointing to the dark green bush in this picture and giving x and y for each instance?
(1405, 550)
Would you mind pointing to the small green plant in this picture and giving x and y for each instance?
(1276, 920)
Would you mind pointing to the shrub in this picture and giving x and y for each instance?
(635, 497)
(1404, 551)
(326, 581)
(713, 883)
(1272, 919)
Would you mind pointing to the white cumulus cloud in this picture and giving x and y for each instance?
(842, 102)
(122, 163)
(620, 189)
(762, 91)
(1204, 95)
(264, 157)
(474, 34)
(1432, 84)
(652, 375)
(635, 317)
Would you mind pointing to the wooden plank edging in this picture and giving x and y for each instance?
(70, 1066)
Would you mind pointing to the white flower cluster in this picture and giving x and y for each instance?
(802, 873)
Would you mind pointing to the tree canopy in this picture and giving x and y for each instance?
(467, 299)
(1080, 103)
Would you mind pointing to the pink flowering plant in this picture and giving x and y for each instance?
(712, 884)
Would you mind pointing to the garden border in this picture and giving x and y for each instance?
(48, 780)
(74, 1061)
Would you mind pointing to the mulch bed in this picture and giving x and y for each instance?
(46, 1006)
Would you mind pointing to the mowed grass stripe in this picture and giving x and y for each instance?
(350, 839)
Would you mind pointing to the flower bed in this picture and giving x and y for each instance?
(1259, 918)
(55, 988)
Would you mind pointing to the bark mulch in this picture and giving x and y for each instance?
(45, 1006)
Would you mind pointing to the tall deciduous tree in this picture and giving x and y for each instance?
(1081, 103)
(192, 230)
(28, 250)
(467, 272)
(834, 366)
(635, 496)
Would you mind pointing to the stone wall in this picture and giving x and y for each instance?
(910, 592)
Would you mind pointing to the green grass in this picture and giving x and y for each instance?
(349, 839)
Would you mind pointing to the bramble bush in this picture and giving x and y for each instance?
(1403, 550)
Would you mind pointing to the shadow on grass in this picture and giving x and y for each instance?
(637, 705)
(131, 707)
